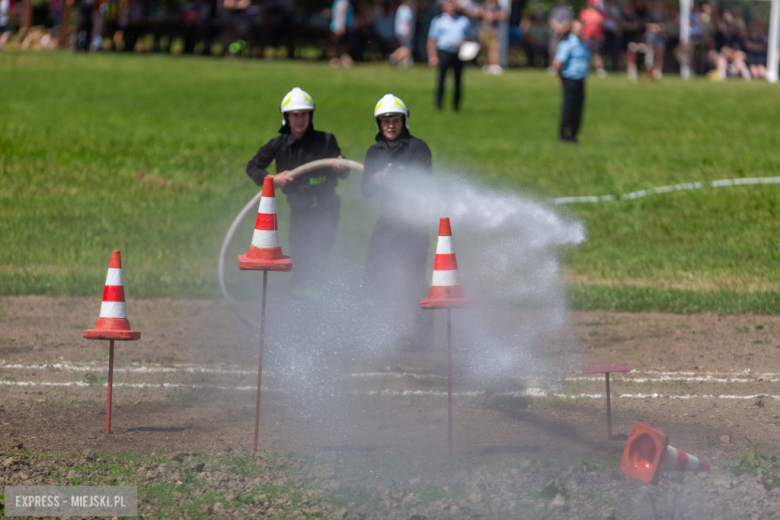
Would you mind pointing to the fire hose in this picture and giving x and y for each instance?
(251, 207)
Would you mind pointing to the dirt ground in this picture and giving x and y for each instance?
(188, 386)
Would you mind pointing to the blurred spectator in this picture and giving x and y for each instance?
(190, 19)
(756, 47)
(404, 32)
(55, 10)
(630, 26)
(516, 26)
(491, 14)
(447, 33)
(593, 32)
(5, 30)
(234, 29)
(535, 44)
(729, 59)
(559, 20)
(383, 27)
(84, 23)
(612, 17)
(342, 32)
(655, 39)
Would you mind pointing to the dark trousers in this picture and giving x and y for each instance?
(313, 224)
(395, 270)
(571, 114)
(610, 49)
(449, 60)
(83, 29)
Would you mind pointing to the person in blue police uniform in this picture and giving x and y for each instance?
(447, 33)
(572, 61)
(314, 204)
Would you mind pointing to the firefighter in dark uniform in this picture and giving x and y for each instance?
(398, 251)
(314, 204)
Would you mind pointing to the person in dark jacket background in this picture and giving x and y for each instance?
(314, 204)
(398, 250)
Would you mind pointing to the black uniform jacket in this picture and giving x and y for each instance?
(409, 159)
(289, 153)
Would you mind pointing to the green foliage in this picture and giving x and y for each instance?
(146, 154)
(553, 488)
(92, 379)
(764, 466)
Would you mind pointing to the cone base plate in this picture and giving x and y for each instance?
(121, 335)
(440, 303)
(255, 264)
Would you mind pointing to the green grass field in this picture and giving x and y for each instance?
(147, 153)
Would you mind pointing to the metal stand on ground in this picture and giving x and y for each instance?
(110, 384)
(260, 361)
(606, 371)
(449, 381)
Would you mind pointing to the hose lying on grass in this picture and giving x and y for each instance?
(251, 208)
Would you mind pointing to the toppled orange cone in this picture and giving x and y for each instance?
(445, 291)
(265, 254)
(113, 322)
(647, 453)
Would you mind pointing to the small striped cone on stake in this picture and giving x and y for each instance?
(113, 323)
(647, 453)
(264, 253)
(445, 291)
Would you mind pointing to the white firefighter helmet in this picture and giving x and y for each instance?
(294, 101)
(390, 105)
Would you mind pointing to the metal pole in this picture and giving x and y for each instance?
(503, 35)
(774, 25)
(685, 37)
(110, 384)
(449, 381)
(609, 412)
(260, 359)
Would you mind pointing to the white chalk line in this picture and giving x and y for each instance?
(529, 392)
(716, 377)
(662, 379)
(668, 189)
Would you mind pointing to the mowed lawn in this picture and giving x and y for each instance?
(147, 153)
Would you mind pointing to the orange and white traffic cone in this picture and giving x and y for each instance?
(264, 253)
(112, 323)
(647, 453)
(445, 291)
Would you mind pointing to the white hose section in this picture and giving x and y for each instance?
(251, 208)
(668, 189)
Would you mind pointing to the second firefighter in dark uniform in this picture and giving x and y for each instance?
(398, 251)
(314, 204)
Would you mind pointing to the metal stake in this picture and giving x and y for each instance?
(449, 381)
(110, 384)
(260, 360)
(609, 411)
